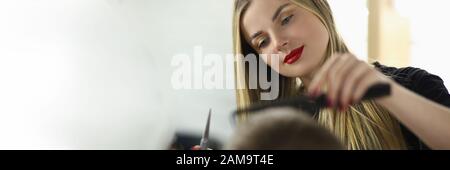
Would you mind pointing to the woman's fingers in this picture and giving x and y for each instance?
(333, 74)
(353, 78)
(346, 79)
(321, 76)
(338, 74)
(367, 81)
(196, 147)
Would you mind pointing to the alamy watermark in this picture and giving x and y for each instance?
(214, 71)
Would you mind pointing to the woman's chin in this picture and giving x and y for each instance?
(293, 72)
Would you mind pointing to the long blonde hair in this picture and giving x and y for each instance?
(365, 125)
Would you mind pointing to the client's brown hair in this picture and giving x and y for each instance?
(282, 128)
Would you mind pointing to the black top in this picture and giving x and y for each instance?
(421, 82)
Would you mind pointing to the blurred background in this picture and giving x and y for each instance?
(96, 74)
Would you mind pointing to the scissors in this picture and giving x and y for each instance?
(205, 137)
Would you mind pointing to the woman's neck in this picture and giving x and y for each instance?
(306, 79)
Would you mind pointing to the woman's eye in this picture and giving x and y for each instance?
(262, 43)
(287, 20)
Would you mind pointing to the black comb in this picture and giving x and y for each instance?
(309, 105)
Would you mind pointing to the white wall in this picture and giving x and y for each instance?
(84, 74)
(351, 17)
(430, 35)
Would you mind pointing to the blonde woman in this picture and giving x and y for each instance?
(314, 59)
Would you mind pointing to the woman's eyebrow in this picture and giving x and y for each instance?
(278, 11)
(255, 35)
(275, 16)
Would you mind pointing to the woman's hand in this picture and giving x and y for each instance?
(197, 147)
(345, 79)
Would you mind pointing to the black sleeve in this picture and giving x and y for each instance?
(423, 83)
(420, 81)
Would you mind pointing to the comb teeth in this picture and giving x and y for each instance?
(300, 102)
(313, 105)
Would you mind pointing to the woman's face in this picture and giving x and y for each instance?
(295, 34)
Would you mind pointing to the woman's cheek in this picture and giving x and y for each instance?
(270, 63)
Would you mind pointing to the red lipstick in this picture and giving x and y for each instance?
(294, 55)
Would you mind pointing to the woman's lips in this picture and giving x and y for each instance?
(294, 55)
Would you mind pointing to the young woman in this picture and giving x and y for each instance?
(314, 59)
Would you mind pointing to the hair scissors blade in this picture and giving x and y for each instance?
(205, 137)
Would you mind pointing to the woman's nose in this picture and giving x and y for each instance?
(281, 45)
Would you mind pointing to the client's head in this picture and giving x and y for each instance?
(282, 128)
